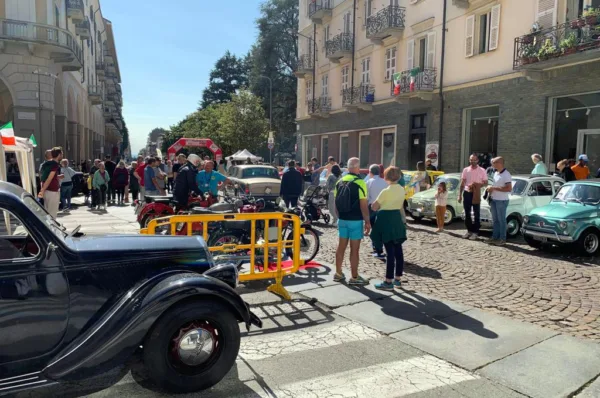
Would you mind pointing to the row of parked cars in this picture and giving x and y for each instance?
(543, 208)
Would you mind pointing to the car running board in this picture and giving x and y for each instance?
(24, 382)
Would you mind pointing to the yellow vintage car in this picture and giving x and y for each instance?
(409, 178)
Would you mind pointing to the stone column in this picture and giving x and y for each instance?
(73, 141)
(81, 147)
(60, 128)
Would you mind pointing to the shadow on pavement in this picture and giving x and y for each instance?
(426, 311)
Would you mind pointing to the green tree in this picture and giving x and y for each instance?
(227, 77)
(274, 55)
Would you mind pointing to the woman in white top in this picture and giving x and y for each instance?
(441, 199)
(66, 184)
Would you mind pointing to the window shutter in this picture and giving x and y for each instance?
(430, 61)
(546, 13)
(494, 28)
(469, 36)
(410, 54)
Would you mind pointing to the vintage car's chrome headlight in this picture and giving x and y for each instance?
(227, 273)
(562, 224)
(525, 219)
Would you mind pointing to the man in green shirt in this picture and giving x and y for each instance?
(353, 213)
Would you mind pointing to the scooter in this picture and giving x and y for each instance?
(163, 206)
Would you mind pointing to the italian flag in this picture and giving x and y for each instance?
(8, 134)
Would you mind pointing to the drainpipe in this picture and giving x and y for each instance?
(314, 46)
(353, 46)
(441, 138)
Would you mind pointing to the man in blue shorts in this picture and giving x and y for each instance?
(353, 213)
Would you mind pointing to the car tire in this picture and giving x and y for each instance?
(417, 219)
(449, 216)
(163, 357)
(513, 227)
(588, 243)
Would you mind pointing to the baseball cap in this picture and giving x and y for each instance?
(583, 157)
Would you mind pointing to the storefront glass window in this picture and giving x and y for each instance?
(364, 151)
(344, 149)
(389, 149)
(481, 135)
(571, 115)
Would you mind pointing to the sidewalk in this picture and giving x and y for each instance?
(531, 360)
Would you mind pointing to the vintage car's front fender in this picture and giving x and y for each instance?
(112, 339)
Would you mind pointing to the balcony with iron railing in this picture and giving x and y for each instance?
(62, 45)
(339, 47)
(358, 97)
(319, 107)
(304, 66)
(75, 10)
(387, 22)
(96, 95)
(561, 45)
(414, 83)
(319, 10)
(82, 30)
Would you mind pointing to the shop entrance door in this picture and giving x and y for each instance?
(588, 142)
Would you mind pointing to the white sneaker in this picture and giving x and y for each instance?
(473, 237)
(467, 235)
(104, 207)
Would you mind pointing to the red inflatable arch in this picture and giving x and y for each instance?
(196, 143)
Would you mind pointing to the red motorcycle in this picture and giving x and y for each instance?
(163, 206)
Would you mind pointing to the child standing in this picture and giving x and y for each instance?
(441, 199)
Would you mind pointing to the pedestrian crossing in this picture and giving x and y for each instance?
(335, 358)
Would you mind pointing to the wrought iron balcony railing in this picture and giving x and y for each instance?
(559, 42)
(304, 63)
(385, 21)
(82, 30)
(410, 81)
(318, 6)
(41, 34)
(75, 10)
(361, 94)
(339, 45)
(96, 94)
(319, 105)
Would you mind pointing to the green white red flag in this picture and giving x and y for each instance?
(8, 134)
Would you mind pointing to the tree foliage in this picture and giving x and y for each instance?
(228, 76)
(238, 124)
(274, 55)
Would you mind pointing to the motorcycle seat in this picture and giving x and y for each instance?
(159, 199)
(204, 210)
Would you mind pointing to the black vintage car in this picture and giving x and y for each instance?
(73, 306)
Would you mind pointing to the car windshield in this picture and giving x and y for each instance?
(518, 187)
(582, 193)
(44, 216)
(260, 172)
(451, 183)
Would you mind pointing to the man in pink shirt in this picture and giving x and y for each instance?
(472, 180)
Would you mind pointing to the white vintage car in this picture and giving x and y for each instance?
(260, 181)
(528, 192)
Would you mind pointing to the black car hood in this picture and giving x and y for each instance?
(137, 243)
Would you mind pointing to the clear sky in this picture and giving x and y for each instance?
(166, 50)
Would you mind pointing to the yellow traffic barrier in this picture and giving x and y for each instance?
(254, 247)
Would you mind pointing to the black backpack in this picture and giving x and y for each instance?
(347, 196)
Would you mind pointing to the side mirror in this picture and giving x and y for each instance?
(49, 250)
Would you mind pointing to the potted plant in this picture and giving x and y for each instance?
(528, 54)
(547, 50)
(568, 45)
(591, 15)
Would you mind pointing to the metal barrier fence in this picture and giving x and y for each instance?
(258, 248)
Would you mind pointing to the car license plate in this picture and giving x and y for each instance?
(416, 213)
(268, 191)
(542, 239)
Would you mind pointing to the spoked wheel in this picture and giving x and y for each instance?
(149, 217)
(309, 245)
(192, 347)
(513, 227)
(449, 216)
(228, 238)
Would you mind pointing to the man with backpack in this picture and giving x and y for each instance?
(353, 213)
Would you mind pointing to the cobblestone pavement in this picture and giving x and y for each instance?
(553, 288)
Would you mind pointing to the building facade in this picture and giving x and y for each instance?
(400, 81)
(59, 76)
